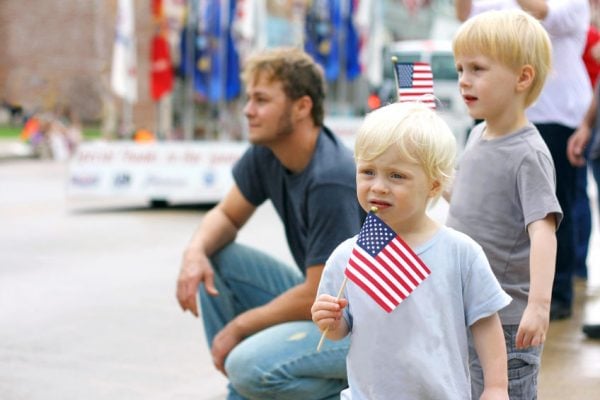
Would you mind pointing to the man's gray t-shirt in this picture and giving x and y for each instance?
(318, 206)
(501, 186)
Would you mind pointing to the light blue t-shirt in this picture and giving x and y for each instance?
(419, 350)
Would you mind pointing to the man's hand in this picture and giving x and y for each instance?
(576, 145)
(537, 8)
(534, 325)
(195, 268)
(222, 345)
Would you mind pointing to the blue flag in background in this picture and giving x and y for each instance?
(352, 43)
(328, 24)
(321, 41)
(215, 63)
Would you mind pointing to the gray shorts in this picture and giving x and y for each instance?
(523, 368)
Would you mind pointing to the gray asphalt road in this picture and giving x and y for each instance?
(87, 304)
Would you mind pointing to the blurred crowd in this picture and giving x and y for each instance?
(52, 135)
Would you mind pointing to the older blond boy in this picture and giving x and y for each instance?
(504, 191)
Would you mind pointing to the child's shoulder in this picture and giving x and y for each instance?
(456, 240)
(343, 249)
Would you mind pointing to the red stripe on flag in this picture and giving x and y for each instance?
(396, 282)
(414, 258)
(388, 290)
(368, 290)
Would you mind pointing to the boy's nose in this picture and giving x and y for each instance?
(463, 80)
(379, 186)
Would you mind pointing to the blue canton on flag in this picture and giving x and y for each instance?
(415, 82)
(383, 265)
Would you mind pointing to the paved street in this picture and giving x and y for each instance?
(87, 305)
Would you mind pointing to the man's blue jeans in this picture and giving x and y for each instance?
(280, 362)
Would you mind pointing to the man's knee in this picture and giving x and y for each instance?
(247, 378)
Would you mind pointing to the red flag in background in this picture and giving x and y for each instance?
(383, 265)
(161, 76)
(161, 67)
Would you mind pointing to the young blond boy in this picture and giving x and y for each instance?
(503, 195)
(405, 154)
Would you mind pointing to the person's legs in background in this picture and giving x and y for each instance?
(592, 328)
(582, 222)
(556, 137)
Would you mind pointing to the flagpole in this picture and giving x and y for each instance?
(223, 65)
(188, 79)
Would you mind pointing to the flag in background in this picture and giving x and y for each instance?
(367, 18)
(415, 82)
(214, 58)
(161, 69)
(249, 26)
(124, 63)
(383, 265)
(351, 62)
(331, 37)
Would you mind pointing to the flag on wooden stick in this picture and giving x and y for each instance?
(383, 265)
(415, 82)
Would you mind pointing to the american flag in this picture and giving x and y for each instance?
(415, 82)
(383, 265)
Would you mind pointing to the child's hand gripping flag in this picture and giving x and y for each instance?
(383, 265)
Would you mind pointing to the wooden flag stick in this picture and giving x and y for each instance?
(339, 296)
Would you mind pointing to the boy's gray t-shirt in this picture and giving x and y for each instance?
(501, 186)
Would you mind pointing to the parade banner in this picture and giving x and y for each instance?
(172, 172)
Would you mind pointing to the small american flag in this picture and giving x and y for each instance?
(383, 265)
(415, 82)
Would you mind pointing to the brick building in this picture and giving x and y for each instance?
(58, 53)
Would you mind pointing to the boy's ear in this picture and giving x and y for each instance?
(436, 186)
(526, 77)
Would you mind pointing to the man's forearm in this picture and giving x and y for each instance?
(537, 8)
(214, 232)
(463, 9)
(292, 305)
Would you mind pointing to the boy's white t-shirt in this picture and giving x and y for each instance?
(419, 350)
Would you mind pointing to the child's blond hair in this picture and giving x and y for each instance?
(511, 37)
(417, 133)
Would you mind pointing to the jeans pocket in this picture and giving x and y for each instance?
(522, 376)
